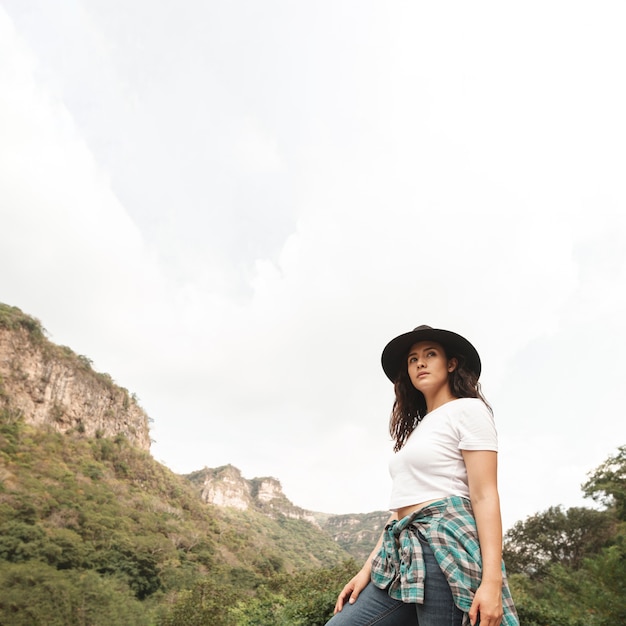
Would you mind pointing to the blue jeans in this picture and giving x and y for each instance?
(374, 607)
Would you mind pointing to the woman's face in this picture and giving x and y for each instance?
(428, 367)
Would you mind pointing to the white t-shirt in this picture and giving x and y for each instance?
(430, 464)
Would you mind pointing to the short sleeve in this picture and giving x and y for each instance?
(476, 427)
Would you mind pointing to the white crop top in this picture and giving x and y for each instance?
(430, 464)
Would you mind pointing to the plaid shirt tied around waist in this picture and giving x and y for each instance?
(449, 527)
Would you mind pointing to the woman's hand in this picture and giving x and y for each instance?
(352, 590)
(487, 604)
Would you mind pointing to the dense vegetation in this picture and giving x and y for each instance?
(568, 567)
(94, 531)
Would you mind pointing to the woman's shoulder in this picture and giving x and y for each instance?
(469, 406)
(474, 424)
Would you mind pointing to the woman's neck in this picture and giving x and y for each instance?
(439, 400)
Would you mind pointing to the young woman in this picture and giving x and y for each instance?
(439, 560)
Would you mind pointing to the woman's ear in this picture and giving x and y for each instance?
(452, 365)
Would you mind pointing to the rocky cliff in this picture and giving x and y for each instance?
(226, 487)
(50, 385)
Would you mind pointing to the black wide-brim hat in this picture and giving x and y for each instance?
(395, 352)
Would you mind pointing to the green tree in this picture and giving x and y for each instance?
(312, 594)
(556, 536)
(20, 542)
(265, 609)
(572, 565)
(138, 568)
(207, 604)
(607, 483)
(35, 594)
(541, 604)
(592, 595)
(603, 585)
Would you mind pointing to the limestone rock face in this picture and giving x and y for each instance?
(49, 385)
(268, 489)
(225, 486)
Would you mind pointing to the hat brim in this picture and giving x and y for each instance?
(395, 352)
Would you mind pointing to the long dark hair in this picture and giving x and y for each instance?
(409, 407)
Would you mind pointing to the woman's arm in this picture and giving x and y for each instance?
(352, 590)
(482, 471)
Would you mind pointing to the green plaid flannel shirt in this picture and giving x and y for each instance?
(450, 529)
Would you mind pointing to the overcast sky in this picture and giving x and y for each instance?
(232, 206)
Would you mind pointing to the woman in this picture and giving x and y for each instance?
(439, 560)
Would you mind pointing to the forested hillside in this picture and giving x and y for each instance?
(94, 531)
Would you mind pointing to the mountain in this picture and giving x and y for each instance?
(224, 486)
(113, 535)
(356, 533)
